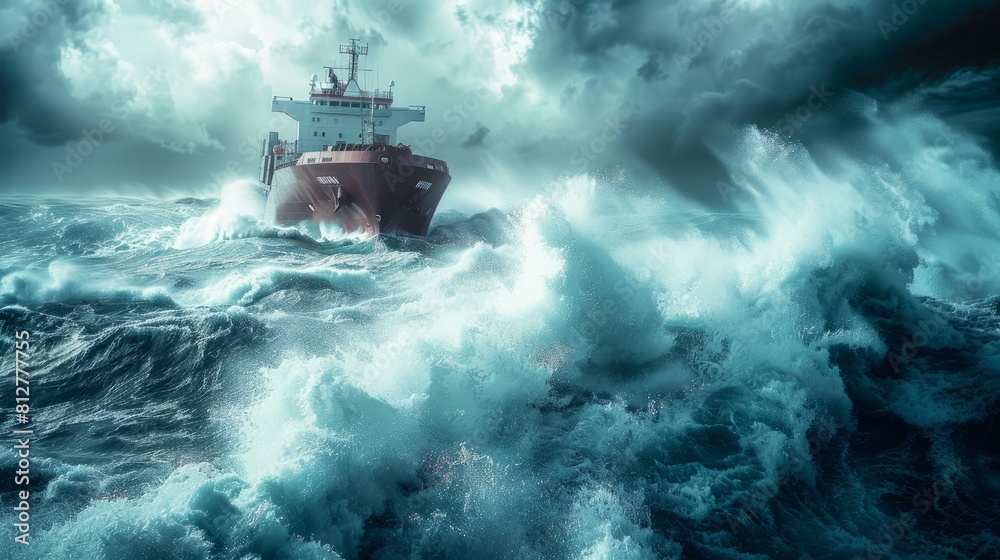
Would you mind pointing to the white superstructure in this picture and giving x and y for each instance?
(339, 111)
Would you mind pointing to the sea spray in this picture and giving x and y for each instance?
(585, 375)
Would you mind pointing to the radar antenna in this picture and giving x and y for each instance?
(354, 50)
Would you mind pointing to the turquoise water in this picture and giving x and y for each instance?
(592, 374)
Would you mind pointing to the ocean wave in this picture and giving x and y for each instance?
(59, 284)
(251, 287)
(598, 373)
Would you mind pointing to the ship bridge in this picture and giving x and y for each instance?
(325, 121)
(339, 111)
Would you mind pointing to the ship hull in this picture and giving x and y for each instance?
(368, 192)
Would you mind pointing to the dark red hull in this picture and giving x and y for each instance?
(370, 191)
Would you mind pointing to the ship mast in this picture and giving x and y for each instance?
(354, 50)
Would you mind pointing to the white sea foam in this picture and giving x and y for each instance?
(613, 361)
(237, 215)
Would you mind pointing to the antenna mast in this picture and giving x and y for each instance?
(354, 50)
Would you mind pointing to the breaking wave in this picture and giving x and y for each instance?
(592, 375)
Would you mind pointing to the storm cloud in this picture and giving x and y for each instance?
(539, 88)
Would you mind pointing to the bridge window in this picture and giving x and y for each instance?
(356, 104)
(322, 103)
(365, 106)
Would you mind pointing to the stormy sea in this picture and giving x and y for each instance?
(599, 371)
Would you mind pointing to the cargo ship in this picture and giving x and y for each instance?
(344, 167)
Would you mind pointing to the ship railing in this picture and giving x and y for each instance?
(291, 159)
(339, 91)
(358, 147)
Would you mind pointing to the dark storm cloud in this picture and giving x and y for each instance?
(651, 70)
(106, 122)
(758, 62)
(33, 87)
(672, 73)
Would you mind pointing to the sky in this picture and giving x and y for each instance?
(169, 98)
